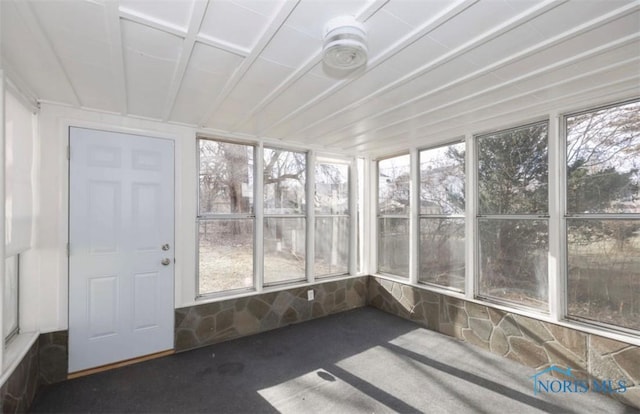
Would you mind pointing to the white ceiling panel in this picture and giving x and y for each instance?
(310, 17)
(289, 47)
(86, 59)
(572, 14)
(253, 68)
(150, 57)
(174, 13)
(472, 23)
(286, 103)
(384, 29)
(27, 53)
(265, 8)
(263, 76)
(208, 72)
(574, 45)
(417, 12)
(228, 22)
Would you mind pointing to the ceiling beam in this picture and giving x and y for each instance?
(562, 37)
(479, 40)
(117, 53)
(392, 50)
(195, 21)
(278, 20)
(148, 21)
(428, 126)
(619, 89)
(309, 64)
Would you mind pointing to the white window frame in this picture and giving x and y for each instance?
(566, 216)
(208, 217)
(410, 217)
(317, 159)
(529, 216)
(421, 215)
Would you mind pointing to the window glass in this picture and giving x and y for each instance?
(603, 224)
(284, 249)
(512, 181)
(284, 181)
(442, 180)
(393, 185)
(332, 188)
(513, 256)
(332, 245)
(442, 257)
(393, 246)
(226, 177)
(512, 171)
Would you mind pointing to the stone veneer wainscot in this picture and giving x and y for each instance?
(536, 344)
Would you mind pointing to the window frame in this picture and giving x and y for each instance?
(305, 215)
(566, 217)
(463, 215)
(378, 216)
(211, 217)
(478, 216)
(317, 160)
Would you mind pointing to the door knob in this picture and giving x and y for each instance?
(166, 261)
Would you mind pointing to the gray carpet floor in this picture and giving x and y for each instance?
(361, 361)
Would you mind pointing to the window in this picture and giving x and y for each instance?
(442, 209)
(226, 219)
(284, 216)
(332, 217)
(393, 215)
(512, 221)
(603, 215)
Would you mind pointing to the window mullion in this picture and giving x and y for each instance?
(310, 216)
(414, 209)
(556, 280)
(471, 202)
(258, 203)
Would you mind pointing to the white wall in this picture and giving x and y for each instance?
(44, 299)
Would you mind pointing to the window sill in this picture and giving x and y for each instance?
(15, 352)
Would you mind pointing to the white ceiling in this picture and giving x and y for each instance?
(253, 68)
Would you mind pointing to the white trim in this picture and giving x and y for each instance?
(554, 179)
(353, 217)
(310, 190)
(15, 352)
(3, 212)
(414, 220)
(258, 206)
(471, 202)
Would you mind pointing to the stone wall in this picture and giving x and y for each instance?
(530, 342)
(210, 323)
(18, 392)
(53, 354)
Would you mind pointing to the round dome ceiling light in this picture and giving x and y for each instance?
(345, 43)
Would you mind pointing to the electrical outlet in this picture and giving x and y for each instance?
(310, 294)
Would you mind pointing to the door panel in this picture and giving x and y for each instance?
(120, 215)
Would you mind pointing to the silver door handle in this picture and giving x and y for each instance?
(166, 261)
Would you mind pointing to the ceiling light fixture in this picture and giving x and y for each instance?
(345, 43)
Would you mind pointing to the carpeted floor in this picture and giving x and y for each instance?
(354, 362)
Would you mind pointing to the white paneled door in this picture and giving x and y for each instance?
(121, 263)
